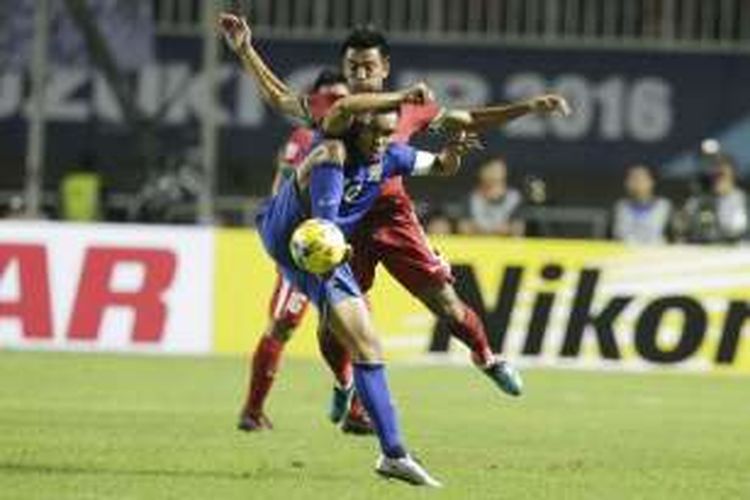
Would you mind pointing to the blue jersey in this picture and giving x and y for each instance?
(362, 182)
(280, 216)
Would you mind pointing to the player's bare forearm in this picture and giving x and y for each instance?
(340, 116)
(495, 116)
(498, 116)
(275, 92)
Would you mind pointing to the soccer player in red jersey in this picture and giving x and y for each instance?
(288, 305)
(390, 233)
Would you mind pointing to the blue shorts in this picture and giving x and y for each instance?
(276, 221)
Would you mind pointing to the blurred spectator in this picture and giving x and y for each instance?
(493, 207)
(536, 198)
(718, 213)
(641, 217)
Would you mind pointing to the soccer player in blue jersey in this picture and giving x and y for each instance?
(339, 181)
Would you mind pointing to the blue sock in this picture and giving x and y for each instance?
(372, 388)
(326, 190)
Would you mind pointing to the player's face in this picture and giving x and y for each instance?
(365, 69)
(377, 131)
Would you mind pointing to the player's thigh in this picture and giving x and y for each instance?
(406, 254)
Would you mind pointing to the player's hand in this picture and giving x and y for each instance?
(462, 143)
(452, 120)
(419, 93)
(235, 30)
(552, 104)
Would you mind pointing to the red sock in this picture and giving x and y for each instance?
(471, 332)
(337, 358)
(265, 363)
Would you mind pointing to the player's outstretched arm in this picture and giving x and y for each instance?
(489, 117)
(276, 93)
(339, 118)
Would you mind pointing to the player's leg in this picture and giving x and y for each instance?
(340, 299)
(321, 175)
(465, 325)
(405, 253)
(346, 407)
(350, 321)
(286, 310)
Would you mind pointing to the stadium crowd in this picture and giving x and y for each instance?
(716, 211)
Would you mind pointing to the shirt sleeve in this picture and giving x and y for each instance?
(297, 146)
(403, 159)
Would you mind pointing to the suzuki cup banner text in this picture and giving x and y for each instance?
(112, 288)
(630, 106)
(550, 303)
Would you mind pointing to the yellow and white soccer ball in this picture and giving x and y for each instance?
(318, 246)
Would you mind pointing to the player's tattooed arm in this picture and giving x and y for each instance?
(276, 93)
(341, 115)
(490, 117)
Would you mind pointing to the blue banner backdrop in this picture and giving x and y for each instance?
(630, 106)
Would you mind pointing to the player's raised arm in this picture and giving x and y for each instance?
(339, 118)
(489, 117)
(276, 93)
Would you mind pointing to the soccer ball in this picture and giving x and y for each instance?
(317, 246)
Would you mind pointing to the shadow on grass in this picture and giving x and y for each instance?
(295, 470)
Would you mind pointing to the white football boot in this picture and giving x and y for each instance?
(405, 469)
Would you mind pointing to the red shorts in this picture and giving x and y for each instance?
(288, 305)
(391, 234)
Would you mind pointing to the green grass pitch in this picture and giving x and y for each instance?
(96, 427)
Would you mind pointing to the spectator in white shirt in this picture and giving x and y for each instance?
(493, 207)
(641, 217)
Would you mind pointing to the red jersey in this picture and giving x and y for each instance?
(297, 146)
(413, 118)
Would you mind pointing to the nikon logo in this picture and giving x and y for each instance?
(599, 323)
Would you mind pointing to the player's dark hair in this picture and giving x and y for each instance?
(366, 37)
(328, 77)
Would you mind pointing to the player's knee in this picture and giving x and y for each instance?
(367, 351)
